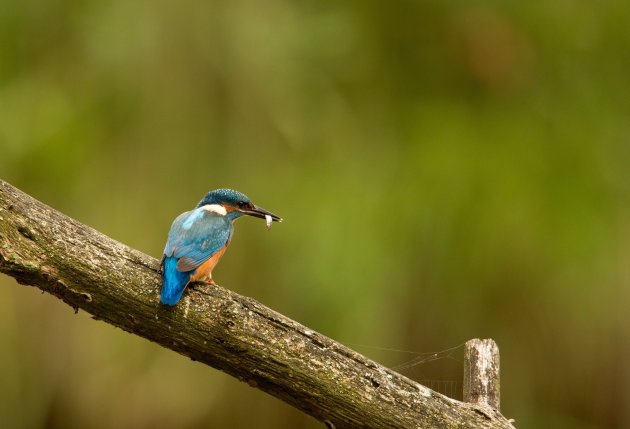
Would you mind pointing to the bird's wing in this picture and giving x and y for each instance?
(195, 236)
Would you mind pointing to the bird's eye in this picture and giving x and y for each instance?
(242, 204)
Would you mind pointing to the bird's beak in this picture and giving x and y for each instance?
(262, 213)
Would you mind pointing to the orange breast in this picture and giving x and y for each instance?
(205, 269)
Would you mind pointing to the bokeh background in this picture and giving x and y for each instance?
(446, 171)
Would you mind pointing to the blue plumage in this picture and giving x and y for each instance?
(197, 235)
(174, 282)
(198, 238)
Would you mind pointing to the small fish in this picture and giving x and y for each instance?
(269, 220)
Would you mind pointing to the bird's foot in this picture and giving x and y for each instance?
(201, 284)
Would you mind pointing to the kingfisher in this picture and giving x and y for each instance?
(198, 238)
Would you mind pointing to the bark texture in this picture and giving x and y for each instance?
(481, 373)
(42, 247)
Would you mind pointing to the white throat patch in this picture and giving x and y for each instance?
(215, 208)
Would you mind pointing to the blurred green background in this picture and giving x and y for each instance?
(446, 171)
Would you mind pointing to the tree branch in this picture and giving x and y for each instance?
(42, 247)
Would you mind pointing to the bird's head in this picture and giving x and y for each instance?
(236, 204)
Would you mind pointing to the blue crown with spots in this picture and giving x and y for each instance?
(225, 197)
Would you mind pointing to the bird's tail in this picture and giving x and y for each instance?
(174, 282)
